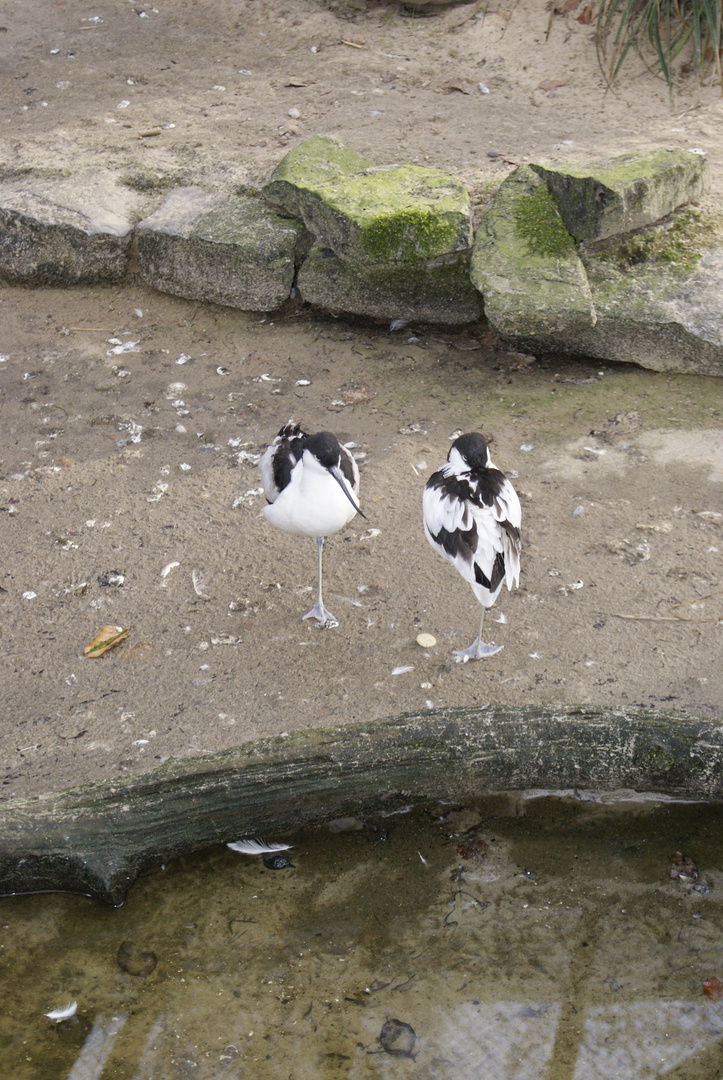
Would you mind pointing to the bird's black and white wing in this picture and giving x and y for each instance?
(508, 514)
(474, 523)
(280, 458)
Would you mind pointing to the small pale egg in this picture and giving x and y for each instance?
(426, 641)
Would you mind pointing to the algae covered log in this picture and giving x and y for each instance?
(97, 839)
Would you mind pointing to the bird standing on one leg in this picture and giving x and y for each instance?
(472, 518)
(311, 483)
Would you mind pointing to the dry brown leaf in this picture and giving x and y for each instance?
(473, 849)
(713, 988)
(105, 639)
(585, 15)
(551, 84)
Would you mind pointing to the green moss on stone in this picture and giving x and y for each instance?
(421, 229)
(395, 213)
(316, 161)
(538, 223)
(147, 181)
(632, 168)
(678, 242)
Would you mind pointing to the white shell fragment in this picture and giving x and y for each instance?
(63, 1014)
(125, 347)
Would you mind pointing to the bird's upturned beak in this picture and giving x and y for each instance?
(341, 481)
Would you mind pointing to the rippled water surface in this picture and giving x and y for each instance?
(517, 938)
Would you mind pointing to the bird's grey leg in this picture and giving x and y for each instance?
(325, 618)
(477, 649)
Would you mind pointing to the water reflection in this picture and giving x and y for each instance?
(511, 939)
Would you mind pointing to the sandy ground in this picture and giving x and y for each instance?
(116, 464)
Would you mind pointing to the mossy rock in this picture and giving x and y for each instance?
(618, 195)
(525, 264)
(372, 214)
(221, 248)
(663, 315)
(440, 294)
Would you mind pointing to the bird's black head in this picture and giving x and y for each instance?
(325, 448)
(473, 448)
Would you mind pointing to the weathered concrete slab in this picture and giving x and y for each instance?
(222, 248)
(66, 231)
(97, 839)
(440, 294)
(372, 214)
(525, 264)
(618, 195)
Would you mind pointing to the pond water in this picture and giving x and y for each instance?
(524, 936)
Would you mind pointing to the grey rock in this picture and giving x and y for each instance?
(525, 264)
(617, 195)
(218, 247)
(66, 231)
(441, 294)
(662, 318)
(372, 214)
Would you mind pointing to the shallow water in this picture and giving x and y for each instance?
(518, 937)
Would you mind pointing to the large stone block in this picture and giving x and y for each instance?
(525, 264)
(618, 195)
(66, 231)
(372, 214)
(441, 294)
(657, 298)
(222, 248)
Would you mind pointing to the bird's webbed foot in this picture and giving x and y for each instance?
(477, 651)
(323, 616)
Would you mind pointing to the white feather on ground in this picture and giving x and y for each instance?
(255, 846)
(63, 1014)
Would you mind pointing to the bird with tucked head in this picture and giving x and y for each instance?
(472, 518)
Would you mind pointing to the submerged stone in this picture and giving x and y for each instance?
(440, 294)
(66, 231)
(525, 264)
(372, 214)
(617, 195)
(135, 960)
(398, 1038)
(222, 248)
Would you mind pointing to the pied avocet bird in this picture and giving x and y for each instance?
(311, 483)
(472, 518)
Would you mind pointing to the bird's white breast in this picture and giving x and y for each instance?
(312, 503)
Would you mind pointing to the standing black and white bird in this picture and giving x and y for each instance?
(311, 483)
(472, 518)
